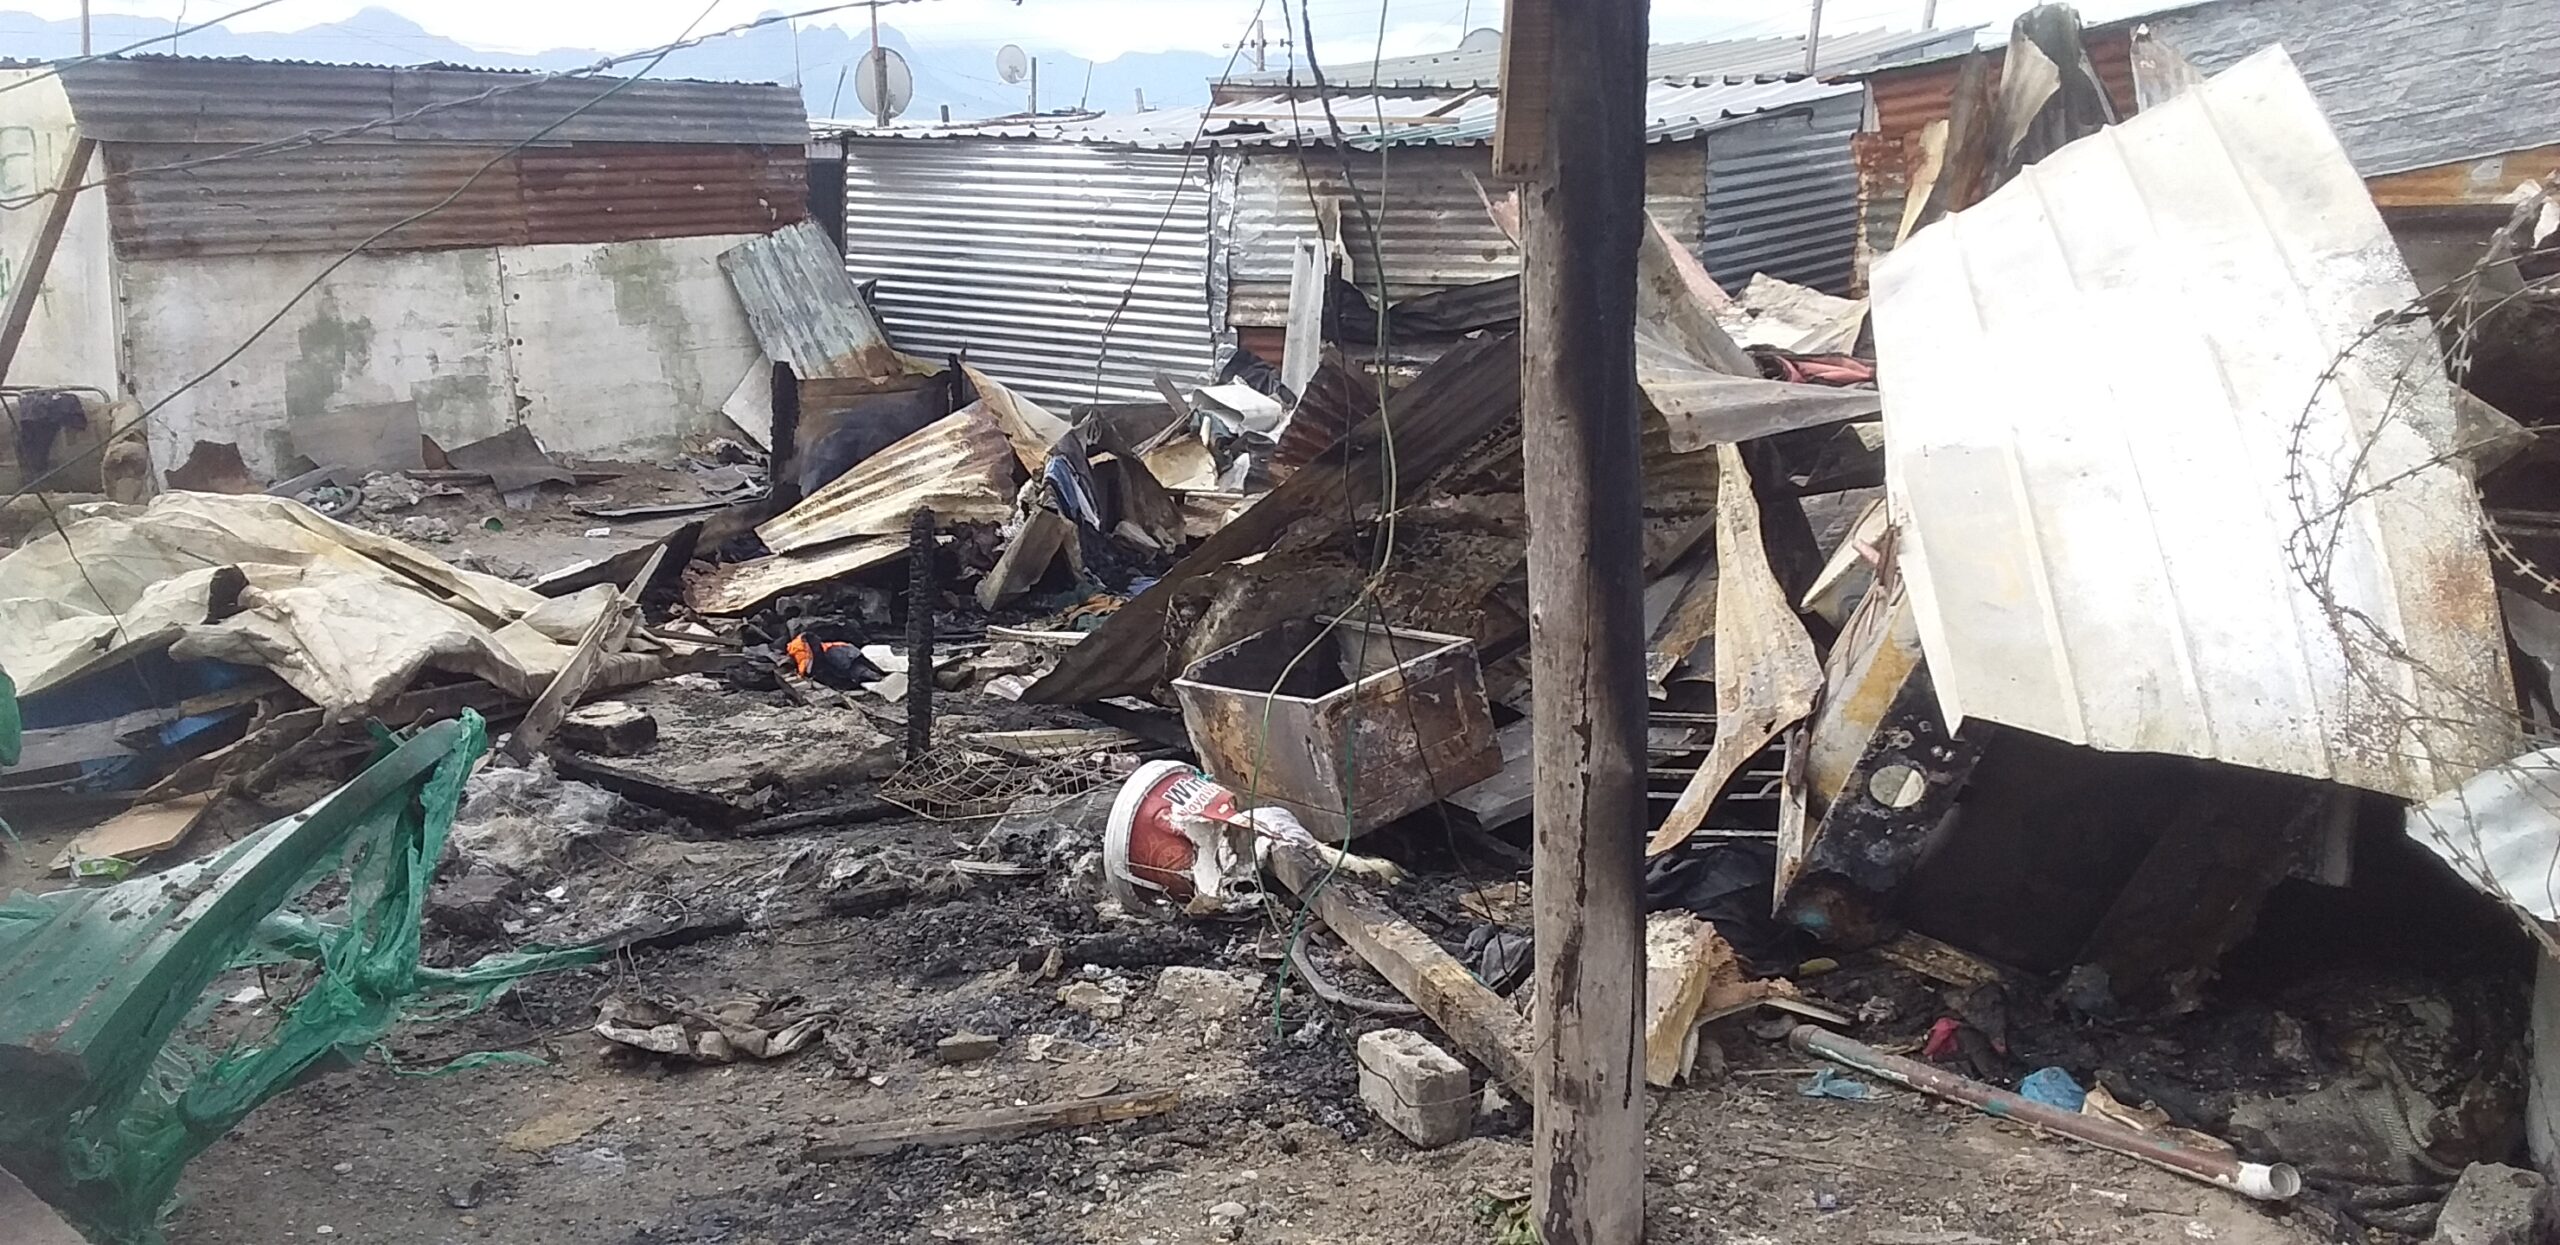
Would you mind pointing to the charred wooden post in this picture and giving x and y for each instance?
(1580, 68)
(920, 602)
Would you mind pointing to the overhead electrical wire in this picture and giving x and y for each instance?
(55, 69)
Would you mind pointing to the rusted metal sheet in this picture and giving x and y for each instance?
(172, 199)
(2252, 547)
(324, 198)
(617, 192)
(1884, 187)
(1345, 724)
(1466, 396)
(803, 306)
(171, 99)
(961, 466)
(1336, 401)
(1907, 97)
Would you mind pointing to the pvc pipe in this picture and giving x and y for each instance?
(2266, 1182)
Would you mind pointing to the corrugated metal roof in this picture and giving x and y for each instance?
(803, 307)
(2406, 83)
(191, 100)
(1021, 253)
(331, 196)
(2105, 389)
(1675, 108)
(1855, 49)
(1908, 97)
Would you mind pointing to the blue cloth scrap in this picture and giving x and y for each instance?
(1832, 1083)
(2054, 1088)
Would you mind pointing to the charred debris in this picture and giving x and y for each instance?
(2103, 677)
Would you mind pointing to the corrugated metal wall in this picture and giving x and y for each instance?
(333, 196)
(1782, 197)
(1433, 234)
(1020, 252)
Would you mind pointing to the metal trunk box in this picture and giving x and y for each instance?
(1345, 724)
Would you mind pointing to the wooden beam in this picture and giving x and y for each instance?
(1582, 220)
(606, 635)
(1481, 1023)
(969, 1128)
(1520, 118)
(39, 257)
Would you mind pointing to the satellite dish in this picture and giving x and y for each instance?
(1481, 39)
(1012, 64)
(882, 83)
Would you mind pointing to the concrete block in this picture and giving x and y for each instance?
(2490, 1205)
(1416, 1087)
(609, 727)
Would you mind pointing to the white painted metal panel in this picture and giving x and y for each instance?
(624, 349)
(422, 326)
(72, 338)
(2100, 385)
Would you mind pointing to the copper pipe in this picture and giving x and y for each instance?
(2269, 1183)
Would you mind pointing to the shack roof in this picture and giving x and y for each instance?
(183, 99)
(1705, 58)
(1675, 108)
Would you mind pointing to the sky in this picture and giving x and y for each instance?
(1094, 29)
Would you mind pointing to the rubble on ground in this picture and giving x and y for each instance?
(2098, 760)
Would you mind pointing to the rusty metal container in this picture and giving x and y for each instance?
(1345, 724)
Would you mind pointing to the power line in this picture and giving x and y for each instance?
(56, 68)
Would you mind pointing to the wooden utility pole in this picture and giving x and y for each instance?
(1929, 14)
(1813, 39)
(1582, 65)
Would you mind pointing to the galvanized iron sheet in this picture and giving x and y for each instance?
(1783, 54)
(803, 306)
(2104, 393)
(172, 99)
(1023, 253)
(1435, 233)
(1782, 196)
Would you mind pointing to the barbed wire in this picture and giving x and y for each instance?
(2437, 719)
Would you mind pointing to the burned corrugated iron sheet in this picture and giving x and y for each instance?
(176, 99)
(331, 196)
(1884, 187)
(1782, 197)
(2126, 556)
(960, 466)
(1468, 395)
(803, 307)
(1336, 401)
(1022, 253)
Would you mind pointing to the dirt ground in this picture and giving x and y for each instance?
(589, 1143)
(595, 1145)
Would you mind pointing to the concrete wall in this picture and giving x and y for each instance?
(71, 340)
(622, 349)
